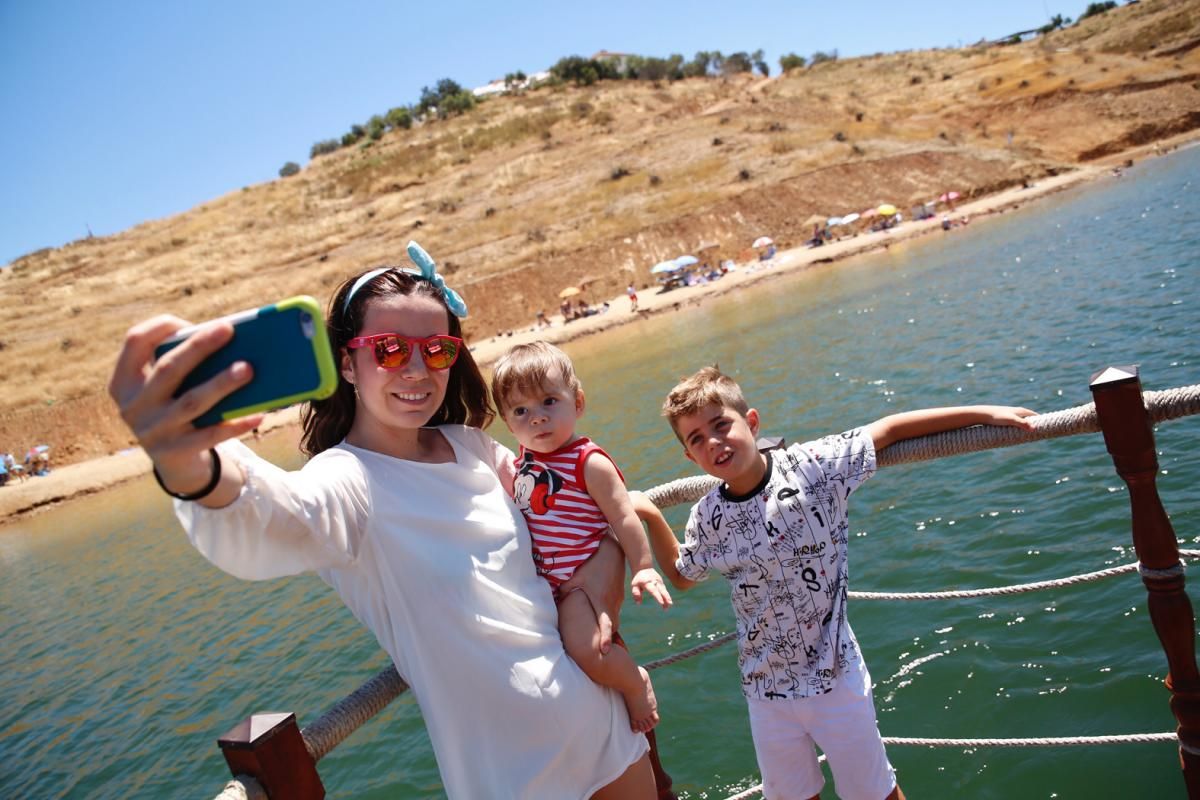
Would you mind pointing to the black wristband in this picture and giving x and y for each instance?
(207, 490)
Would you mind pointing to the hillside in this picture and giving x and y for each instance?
(527, 194)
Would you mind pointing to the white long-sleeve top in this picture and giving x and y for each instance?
(435, 560)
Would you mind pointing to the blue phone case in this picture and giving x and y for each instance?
(288, 347)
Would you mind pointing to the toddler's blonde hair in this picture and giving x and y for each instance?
(527, 368)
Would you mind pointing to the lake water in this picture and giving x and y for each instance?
(124, 654)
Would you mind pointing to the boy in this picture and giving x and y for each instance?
(777, 529)
(571, 493)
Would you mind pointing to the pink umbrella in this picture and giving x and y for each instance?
(948, 196)
(870, 212)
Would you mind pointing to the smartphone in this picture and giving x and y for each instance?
(288, 347)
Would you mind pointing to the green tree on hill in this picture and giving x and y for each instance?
(399, 117)
(1097, 8)
(791, 61)
(584, 71)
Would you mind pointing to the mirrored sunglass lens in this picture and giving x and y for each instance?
(440, 353)
(391, 352)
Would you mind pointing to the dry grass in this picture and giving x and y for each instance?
(518, 198)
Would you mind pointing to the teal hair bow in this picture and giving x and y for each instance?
(427, 269)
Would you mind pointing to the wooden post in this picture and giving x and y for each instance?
(269, 748)
(1129, 437)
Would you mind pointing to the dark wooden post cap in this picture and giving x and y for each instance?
(1111, 376)
(269, 748)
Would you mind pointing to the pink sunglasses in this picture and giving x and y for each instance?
(393, 351)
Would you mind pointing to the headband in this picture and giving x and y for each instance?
(426, 270)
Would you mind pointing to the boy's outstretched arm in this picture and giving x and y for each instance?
(662, 540)
(910, 424)
(605, 486)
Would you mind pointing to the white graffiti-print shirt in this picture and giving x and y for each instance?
(783, 549)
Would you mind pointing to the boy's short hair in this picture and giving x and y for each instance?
(527, 368)
(707, 386)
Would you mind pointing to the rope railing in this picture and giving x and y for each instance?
(345, 716)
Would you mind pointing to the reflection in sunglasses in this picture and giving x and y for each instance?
(392, 350)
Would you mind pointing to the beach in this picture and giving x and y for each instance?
(21, 498)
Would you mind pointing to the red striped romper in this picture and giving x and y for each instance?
(564, 521)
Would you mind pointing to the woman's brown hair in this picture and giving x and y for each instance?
(326, 422)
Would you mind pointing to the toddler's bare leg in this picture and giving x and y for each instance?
(615, 669)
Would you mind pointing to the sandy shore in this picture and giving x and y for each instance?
(19, 499)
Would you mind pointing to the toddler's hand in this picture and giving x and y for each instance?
(648, 580)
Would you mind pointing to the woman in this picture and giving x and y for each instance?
(402, 510)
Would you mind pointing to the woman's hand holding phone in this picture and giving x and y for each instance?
(144, 390)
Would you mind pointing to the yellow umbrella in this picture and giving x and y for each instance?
(570, 291)
(887, 209)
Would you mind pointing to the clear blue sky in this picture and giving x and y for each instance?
(119, 112)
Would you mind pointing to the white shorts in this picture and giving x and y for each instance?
(842, 723)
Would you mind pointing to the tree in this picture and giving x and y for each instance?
(322, 147)
(457, 103)
(1097, 8)
(514, 80)
(821, 57)
(1056, 22)
(791, 61)
(289, 169)
(760, 64)
(376, 127)
(399, 117)
(446, 92)
(735, 63)
(584, 71)
(699, 66)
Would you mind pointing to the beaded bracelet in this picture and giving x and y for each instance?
(207, 490)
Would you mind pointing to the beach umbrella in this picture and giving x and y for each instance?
(948, 196)
(870, 212)
(707, 246)
(846, 220)
(686, 261)
(664, 266)
(887, 209)
(570, 291)
(763, 241)
(832, 221)
(815, 219)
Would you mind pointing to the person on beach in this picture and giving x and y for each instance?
(777, 528)
(571, 493)
(402, 510)
(632, 293)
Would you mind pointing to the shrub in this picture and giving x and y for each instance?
(735, 63)
(821, 57)
(791, 61)
(457, 103)
(584, 71)
(289, 169)
(322, 147)
(376, 127)
(399, 117)
(1097, 8)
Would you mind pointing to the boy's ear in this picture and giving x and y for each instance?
(752, 420)
(580, 403)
